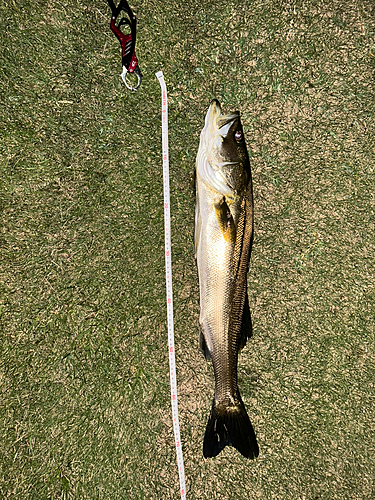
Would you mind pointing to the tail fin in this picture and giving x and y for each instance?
(229, 425)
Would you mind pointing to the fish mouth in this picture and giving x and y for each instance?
(216, 128)
(210, 154)
(217, 123)
(214, 112)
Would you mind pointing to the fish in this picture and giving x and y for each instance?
(222, 240)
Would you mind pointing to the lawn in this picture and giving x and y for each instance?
(85, 410)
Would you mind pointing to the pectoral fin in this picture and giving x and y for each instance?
(225, 220)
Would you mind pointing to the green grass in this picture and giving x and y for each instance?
(85, 410)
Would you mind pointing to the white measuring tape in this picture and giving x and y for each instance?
(168, 280)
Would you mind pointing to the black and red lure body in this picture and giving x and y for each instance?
(129, 59)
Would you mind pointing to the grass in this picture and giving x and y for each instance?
(85, 410)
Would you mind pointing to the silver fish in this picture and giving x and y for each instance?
(223, 238)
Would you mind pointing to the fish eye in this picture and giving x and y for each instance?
(238, 135)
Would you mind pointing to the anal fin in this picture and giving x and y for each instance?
(203, 345)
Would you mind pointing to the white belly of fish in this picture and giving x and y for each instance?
(215, 268)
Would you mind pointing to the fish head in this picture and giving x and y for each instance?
(223, 160)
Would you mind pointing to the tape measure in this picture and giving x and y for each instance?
(168, 280)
